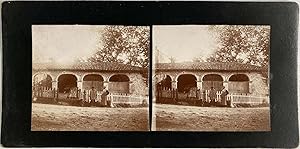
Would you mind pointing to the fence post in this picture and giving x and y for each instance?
(176, 92)
(54, 93)
(206, 95)
(42, 91)
(173, 94)
(77, 90)
(110, 97)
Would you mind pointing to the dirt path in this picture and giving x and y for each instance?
(46, 117)
(191, 118)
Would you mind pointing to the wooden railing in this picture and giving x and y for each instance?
(128, 98)
(174, 95)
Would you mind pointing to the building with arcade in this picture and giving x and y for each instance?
(236, 77)
(116, 77)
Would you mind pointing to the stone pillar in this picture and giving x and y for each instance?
(225, 83)
(79, 85)
(55, 85)
(131, 87)
(105, 84)
(199, 85)
(250, 87)
(174, 84)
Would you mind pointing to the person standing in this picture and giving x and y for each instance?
(212, 96)
(93, 96)
(224, 94)
(104, 101)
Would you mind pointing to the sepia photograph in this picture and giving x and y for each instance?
(90, 78)
(211, 78)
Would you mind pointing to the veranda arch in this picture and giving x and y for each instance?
(42, 80)
(212, 80)
(119, 83)
(66, 82)
(185, 82)
(238, 83)
(92, 80)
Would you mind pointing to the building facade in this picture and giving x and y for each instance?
(116, 77)
(236, 77)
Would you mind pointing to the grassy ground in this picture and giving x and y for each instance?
(46, 117)
(191, 118)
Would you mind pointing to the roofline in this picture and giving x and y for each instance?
(89, 70)
(193, 70)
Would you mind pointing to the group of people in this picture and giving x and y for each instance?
(92, 99)
(212, 94)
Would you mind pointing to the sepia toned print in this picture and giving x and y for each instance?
(90, 78)
(211, 78)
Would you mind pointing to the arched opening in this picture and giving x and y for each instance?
(185, 82)
(92, 80)
(166, 83)
(42, 80)
(66, 82)
(119, 84)
(238, 83)
(212, 80)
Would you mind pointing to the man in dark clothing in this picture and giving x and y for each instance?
(212, 96)
(224, 94)
(104, 101)
(93, 96)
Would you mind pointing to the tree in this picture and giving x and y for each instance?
(243, 44)
(124, 44)
(172, 59)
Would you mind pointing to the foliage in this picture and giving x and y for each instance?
(124, 44)
(243, 44)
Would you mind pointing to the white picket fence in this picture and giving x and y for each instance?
(238, 98)
(249, 99)
(43, 92)
(127, 98)
(116, 98)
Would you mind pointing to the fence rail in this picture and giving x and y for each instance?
(76, 94)
(248, 99)
(165, 95)
(130, 99)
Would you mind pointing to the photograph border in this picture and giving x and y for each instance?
(17, 18)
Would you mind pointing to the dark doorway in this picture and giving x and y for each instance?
(166, 83)
(66, 82)
(186, 82)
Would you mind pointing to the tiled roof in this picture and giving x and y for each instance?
(205, 66)
(86, 66)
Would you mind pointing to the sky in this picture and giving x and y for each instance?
(64, 43)
(184, 42)
(67, 43)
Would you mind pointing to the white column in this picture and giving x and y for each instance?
(174, 84)
(199, 85)
(131, 89)
(105, 84)
(225, 83)
(55, 85)
(79, 85)
(250, 87)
